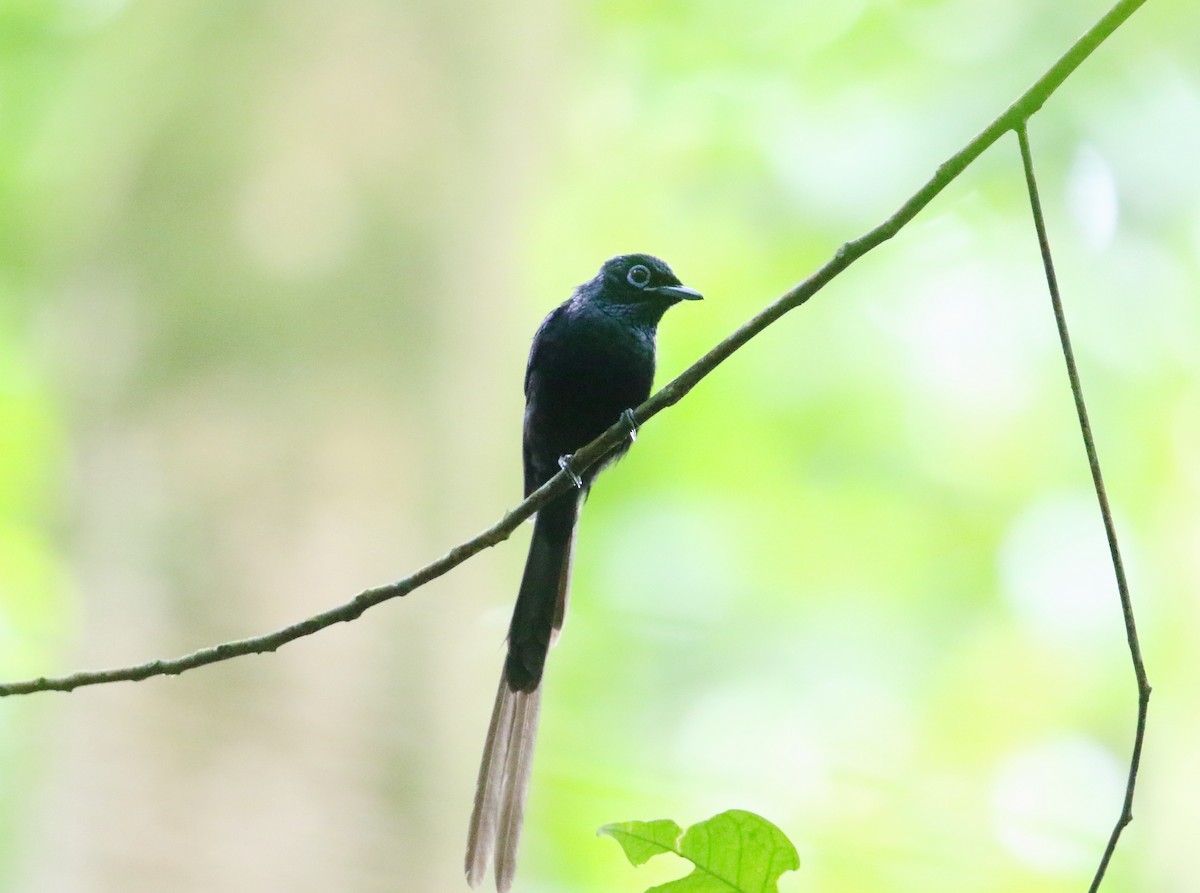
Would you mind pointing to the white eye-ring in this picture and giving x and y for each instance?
(638, 276)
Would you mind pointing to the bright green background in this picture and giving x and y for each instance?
(268, 272)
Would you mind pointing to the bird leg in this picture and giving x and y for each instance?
(564, 462)
(631, 420)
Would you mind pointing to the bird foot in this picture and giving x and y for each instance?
(629, 419)
(564, 462)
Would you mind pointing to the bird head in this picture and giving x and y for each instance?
(642, 280)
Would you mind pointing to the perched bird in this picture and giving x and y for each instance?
(591, 362)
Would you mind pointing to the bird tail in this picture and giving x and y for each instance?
(503, 783)
(508, 754)
(542, 601)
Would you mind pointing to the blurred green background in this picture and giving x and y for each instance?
(268, 274)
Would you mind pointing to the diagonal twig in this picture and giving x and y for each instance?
(1017, 113)
(1110, 530)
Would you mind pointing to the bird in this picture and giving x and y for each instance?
(592, 361)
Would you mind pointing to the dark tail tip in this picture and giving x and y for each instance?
(524, 665)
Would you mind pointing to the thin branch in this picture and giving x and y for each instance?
(351, 610)
(1027, 104)
(1110, 530)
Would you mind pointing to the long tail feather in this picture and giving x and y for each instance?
(503, 784)
(508, 754)
(481, 837)
(522, 736)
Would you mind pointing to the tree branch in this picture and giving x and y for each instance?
(1110, 530)
(1013, 117)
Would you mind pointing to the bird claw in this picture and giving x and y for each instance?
(628, 418)
(564, 462)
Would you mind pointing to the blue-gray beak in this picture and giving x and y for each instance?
(679, 292)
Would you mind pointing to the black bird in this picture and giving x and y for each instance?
(591, 362)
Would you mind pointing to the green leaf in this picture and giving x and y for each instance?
(734, 852)
(641, 840)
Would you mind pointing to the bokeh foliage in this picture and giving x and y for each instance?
(267, 277)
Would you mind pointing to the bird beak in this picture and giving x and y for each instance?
(679, 292)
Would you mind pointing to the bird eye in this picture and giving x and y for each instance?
(638, 276)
